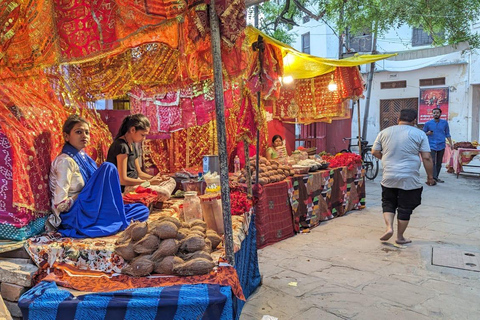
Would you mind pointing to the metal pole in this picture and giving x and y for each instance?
(247, 167)
(359, 130)
(260, 46)
(369, 87)
(221, 132)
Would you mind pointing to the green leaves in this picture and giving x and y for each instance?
(447, 21)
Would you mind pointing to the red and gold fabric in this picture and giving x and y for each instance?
(309, 100)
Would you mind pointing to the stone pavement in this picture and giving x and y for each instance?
(341, 270)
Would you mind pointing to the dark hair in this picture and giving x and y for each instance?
(437, 109)
(138, 121)
(408, 115)
(275, 137)
(72, 121)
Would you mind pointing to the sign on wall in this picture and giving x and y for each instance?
(429, 99)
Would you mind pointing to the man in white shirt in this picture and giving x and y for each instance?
(399, 147)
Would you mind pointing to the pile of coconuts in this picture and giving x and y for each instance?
(167, 246)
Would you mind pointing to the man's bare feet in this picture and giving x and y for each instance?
(387, 235)
(403, 241)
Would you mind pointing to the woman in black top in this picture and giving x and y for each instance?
(124, 155)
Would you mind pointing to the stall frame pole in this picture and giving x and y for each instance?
(359, 129)
(259, 46)
(221, 133)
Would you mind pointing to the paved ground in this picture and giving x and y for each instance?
(343, 271)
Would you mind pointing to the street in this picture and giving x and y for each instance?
(341, 270)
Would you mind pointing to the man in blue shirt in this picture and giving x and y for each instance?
(437, 130)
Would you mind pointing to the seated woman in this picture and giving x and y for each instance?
(277, 151)
(124, 155)
(87, 202)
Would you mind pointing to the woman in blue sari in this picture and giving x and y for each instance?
(87, 201)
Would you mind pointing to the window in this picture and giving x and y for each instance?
(420, 37)
(361, 42)
(393, 84)
(122, 103)
(432, 82)
(306, 19)
(306, 42)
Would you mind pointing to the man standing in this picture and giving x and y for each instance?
(437, 130)
(398, 147)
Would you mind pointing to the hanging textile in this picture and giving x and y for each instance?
(310, 100)
(31, 117)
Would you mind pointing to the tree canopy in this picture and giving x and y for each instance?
(447, 22)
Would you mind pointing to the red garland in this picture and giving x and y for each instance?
(349, 160)
(239, 202)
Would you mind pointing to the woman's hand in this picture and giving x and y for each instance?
(159, 179)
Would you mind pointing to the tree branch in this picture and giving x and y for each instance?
(308, 12)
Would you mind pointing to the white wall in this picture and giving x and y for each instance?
(323, 43)
(459, 102)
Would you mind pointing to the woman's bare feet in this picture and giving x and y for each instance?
(403, 241)
(387, 235)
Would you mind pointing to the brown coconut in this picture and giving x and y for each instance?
(194, 267)
(167, 247)
(198, 228)
(165, 265)
(124, 237)
(198, 233)
(214, 238)
(192, 243)
(182, 233)
(165, 230)
(147, 244)
(196, 254)
(139, 267)
(139, 230)
(171, 219)
(198, 222)
(208, 245)
(126, 251)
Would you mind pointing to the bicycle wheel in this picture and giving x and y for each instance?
(370, 164)
(344, 151)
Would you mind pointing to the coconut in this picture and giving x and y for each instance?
(214, 238)
(182, 233)
(194, 267)
(165, 230)
(192, 243)
(166, 248)
(125, 251)
(171, 219)
(196, 254)
(198, 222)
(147, 244)
(198, 228)
(139, 230)
(165, 265)
(139, 267)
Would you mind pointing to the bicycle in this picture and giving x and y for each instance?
(370, 163)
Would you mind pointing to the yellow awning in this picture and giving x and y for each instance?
(303, 66)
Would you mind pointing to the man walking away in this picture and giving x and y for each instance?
(437, 130)
(398, 147)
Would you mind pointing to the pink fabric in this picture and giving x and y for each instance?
(447, 155)
(461, 157)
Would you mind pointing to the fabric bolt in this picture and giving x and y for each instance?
(95, 281)
(34, 227)
(99, 210)
(246, 264)
(273, 216)
(189, 301)
(81, 254)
